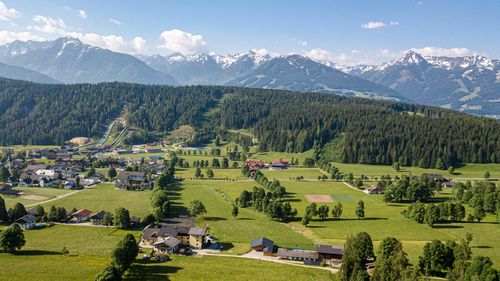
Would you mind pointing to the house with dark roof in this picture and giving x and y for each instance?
(97, 218)
(263, 244)
(168, 245)
(133, 180)
(297, 255)
(191, 236)
(329, 252)
(27, 221)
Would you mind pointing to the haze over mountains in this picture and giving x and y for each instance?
(470, 84)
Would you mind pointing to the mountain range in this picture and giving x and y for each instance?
(69, 60)
(470, 84)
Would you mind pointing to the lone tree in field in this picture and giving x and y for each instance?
(210, 173)
(12, 239)
(121, 218)
(306, 220)
(360, 209)
(323, 212)
(197, 173)
(396, 166)
(235, 211)
(196, 208)
(337, 211)
(487, 176)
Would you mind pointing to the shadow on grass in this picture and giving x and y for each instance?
(316, 226)
(226, 246)
(245, 219)
(447, 226)
(291, 200)
(150, 271)
(37, 253)
(354, 219)
(214, 219)
(482, 247)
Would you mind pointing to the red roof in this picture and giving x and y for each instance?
(82, 213)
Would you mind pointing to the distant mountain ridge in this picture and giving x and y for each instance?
(19, 73)
(70, 61)
(470, 84)
(292, 72)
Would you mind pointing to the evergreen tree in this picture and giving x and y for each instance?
(360, 210)
(4, 216)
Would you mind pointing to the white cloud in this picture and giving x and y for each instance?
(49, 25)
(112, 42)
(82, 14)
(8, 36)
(115, 21)
(183, 42)
(394, 23)
(8, 14)
(447, 52)
(139, 44)
(261, 51)
(373, 25)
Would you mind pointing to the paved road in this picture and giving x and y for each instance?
(259, 256)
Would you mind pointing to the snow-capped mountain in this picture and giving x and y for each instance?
(470, 83)
(299, 73)
(71, 61)
(205, 68)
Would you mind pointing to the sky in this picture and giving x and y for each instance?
(344, 32)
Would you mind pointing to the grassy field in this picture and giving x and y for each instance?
(381, 220)
(270, 156)
(106, 197)
(32, 195)
(29, 147)
(41, 259)
(467, 171)
(218, 173)
(236, 234)
(307, 173)
(222, 268)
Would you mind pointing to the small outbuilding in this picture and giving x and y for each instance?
(263, 245)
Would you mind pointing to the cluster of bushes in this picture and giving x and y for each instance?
(411, 189)
(435, 213)
(483, 197)
(123, 255)
(266, 202)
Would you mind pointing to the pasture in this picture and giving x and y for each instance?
(41, 258)
(106, 197)
(32, 195)
(222, 268)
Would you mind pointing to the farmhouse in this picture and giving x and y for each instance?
(27, 221)
(327, 252)
(373, 190)
(97, 218)
(263, 244)
(193, 237)
(297, 255)
(168, 245)
(447, 184)
(279, 165)
(133, 180)
(79, 216)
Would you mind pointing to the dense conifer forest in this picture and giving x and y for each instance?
(375, 132)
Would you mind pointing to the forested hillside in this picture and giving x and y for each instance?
(374, 132)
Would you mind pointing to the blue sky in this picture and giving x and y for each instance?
(346, 32)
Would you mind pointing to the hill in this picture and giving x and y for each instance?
(71, 61)
(374, 132)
